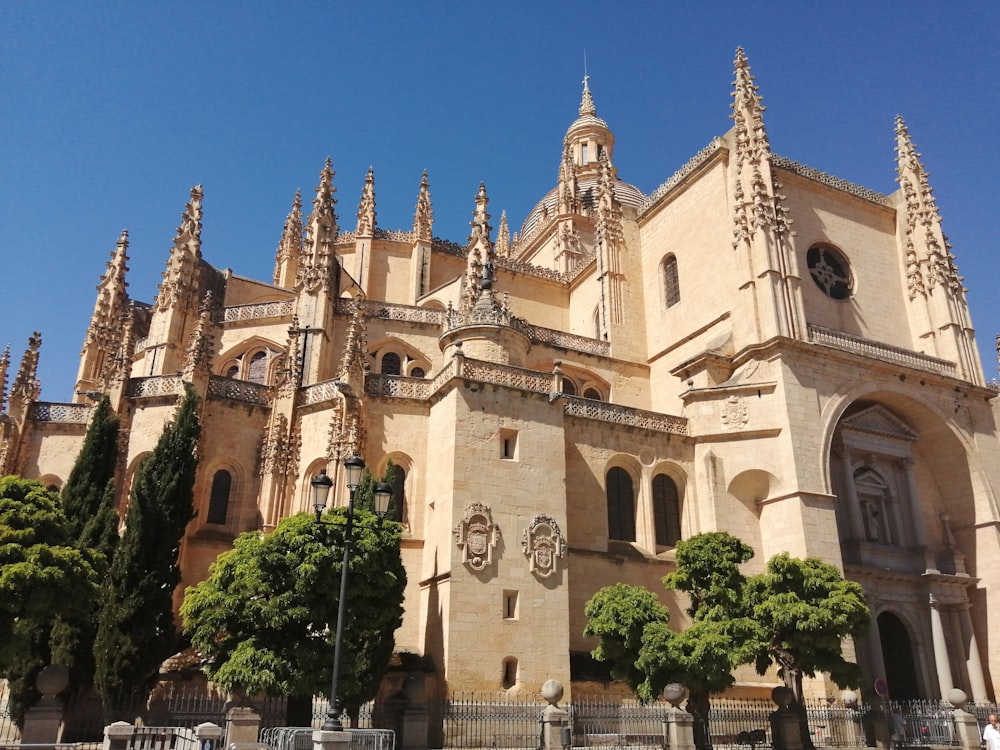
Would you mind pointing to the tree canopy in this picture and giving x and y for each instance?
(44, 579)
(805, 609)
(266, 617)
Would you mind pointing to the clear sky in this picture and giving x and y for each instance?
(111, 111)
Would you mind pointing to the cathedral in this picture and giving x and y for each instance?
(754, 347)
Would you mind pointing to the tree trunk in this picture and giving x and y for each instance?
(793, 681)
(698, 706)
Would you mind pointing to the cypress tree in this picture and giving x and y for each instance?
(84, 491)
(136, 630)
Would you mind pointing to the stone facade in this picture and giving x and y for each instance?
(755, 347)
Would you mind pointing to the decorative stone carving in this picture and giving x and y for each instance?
(544, 544)
(735, 414)
(478, 536)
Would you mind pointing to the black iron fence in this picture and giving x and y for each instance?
(486, 721)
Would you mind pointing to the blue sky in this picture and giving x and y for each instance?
(112, 111)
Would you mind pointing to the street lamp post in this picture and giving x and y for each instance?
(321, 484)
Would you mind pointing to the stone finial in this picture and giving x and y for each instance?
(587, 101)
(4, 366)
(366, 208)
(503, 237)
(26, 386)
(319, 263)
(929, 262)
(423, 219)
(179, 286)
(290, 247)
(748, 114)
(112, 299)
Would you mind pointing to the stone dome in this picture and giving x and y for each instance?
(626, 194)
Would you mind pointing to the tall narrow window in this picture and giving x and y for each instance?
(671, 283)
(567, 386)
(391, 364)
(666, 511)
(397, 511)
(621, 506)
(257, 372)
(218, 503)
(584, 154)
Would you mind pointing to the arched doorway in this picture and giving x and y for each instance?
(897, 655)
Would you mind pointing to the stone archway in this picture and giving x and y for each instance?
(897, 656)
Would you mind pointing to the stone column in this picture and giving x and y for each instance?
(118, 735)
(853, 507)
(209, 735)
(916, 516)
(941, 663)
(977, 680)
(325, 740)
(679, 729)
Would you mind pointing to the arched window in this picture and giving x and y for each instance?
(592, 393)
(666, 511)
(257, 372)
(391, 364)
(397, 508)
(621, 506)
(567, 386)
(671, 283)
(218, 503)
(417, 372)
(233, 371)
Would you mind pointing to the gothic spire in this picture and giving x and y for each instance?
(112, 299)
(355, 343)
(751, 138)
(26, 386)
(479, 264)
(366, 209)
(423, 219)
(503, 237)
(568, 186)
(929, 262)
(198, 356)
(4, 366)
(180, 279)
(289, 252)
(319, 262)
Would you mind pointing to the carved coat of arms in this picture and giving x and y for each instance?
(544, 544)
(735, 414)
(477, 536)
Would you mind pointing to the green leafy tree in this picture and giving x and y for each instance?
(44, 579)
(634, 632)
(136, 630)
(266, 616)
(805, 609)
(618, 616)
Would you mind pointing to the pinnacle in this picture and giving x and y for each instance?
(587, 102)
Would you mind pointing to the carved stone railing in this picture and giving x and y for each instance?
(692, 164)
(885, 352)
(258, 311)
(392, 311)
(565, 340)
(397, 386)
(231, 389)
(508, 375)
(46, 411)
(157, 385)
(317, 393)
(586, 408)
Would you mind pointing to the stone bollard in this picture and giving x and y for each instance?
(327, 740)
(209, 736)
(678, 725)
(786, 724)
(43, 721)
(556, 730)
(117, 736)
(242, 724)
(966, 725)
(415, 723)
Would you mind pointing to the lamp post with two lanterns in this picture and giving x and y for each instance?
(321, 484)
